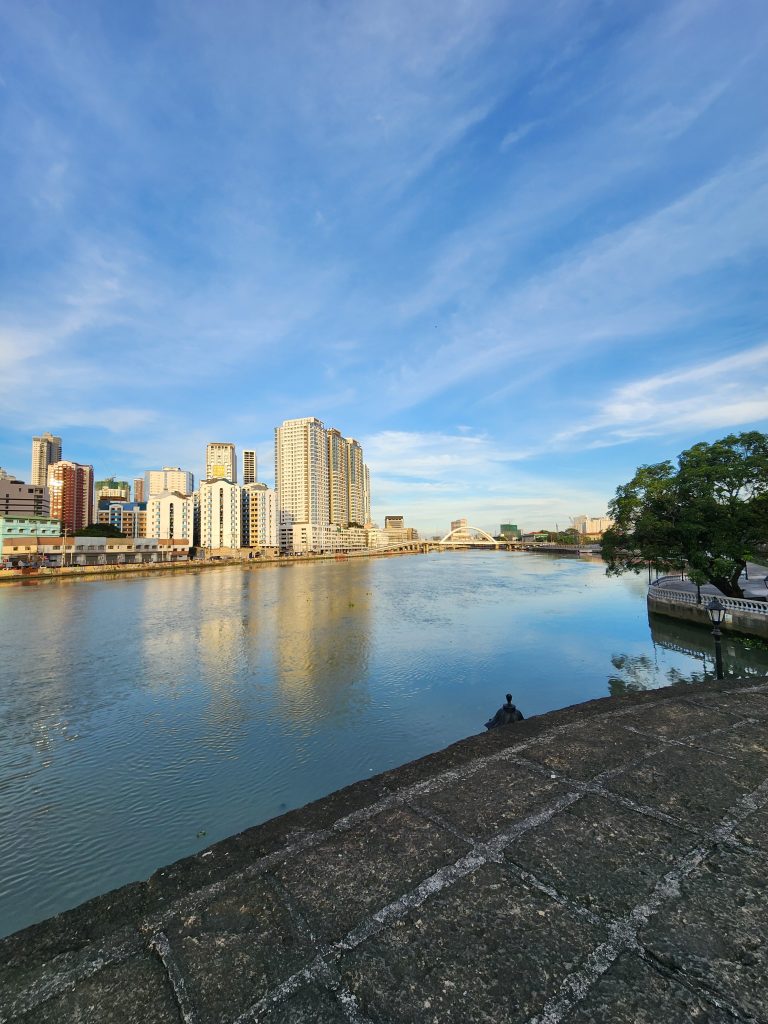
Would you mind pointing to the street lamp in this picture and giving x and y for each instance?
(716, 611)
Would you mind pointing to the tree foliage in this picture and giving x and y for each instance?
(100, 530)
(709, 514)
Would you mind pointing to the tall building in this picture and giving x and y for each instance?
(20, 499)
(367, 478)
(322, 487)
(220, 514)
(259, 516)
(338, 478)
(45, 451)
(71, 488)
(220, 462)
(301, 472)
(129, 517)
(171, 516)
(138, 488)
(114, 490)
(169, 478)
(250, 466)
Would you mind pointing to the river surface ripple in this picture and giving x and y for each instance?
(142, 719)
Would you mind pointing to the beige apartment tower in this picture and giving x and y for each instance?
(45, 451)
(169, 478)
(220, 462)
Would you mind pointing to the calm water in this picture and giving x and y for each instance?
(143, 719)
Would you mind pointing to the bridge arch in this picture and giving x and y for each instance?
(463, 531)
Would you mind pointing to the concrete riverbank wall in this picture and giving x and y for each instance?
(749, 618)
(603, 863)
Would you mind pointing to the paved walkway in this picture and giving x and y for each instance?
(604, 864)
(754, 584)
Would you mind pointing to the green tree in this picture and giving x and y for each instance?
(710, 514)
(100, 530)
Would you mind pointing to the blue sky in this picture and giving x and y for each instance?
(516, 249)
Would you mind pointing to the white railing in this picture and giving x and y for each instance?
(734, 604)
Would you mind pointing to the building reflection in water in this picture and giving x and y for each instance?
(743, 657)
(322, 642)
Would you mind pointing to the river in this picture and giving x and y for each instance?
(144, 718)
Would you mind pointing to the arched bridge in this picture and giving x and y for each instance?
(466, 537)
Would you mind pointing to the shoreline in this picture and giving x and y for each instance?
(10, 576)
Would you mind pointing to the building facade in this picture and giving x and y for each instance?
(301, 475)
(24, 529)
(259, 518)
(129, 517)
(220, 462)
(250, 466)
(113, 490)
(171, 516)
(220, 513)
(169, 478)
(592, 526)
(18, 498)
(138, 488)
(45, 451)
(71, 492)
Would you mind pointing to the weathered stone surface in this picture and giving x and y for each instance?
(693, 785)
(632, 992)
(235, 948)
(716, 930)
(599, 855)
(347, 877)
(488, 950)
(594, 748)
(252, 922)
(310, 1005)
(134, 992)
(492, 799)
(678, 719)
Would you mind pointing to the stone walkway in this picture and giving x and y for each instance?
(607, 864)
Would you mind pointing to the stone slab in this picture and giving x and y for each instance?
(602, 857)
(312, 1004)
(747, 744)
(134, 992)
(238, 946)
(746, 704)
(632, 992)
(594, 748)
(678, 719)
(716, 930)
(753, 831)
(341, 881)
(492, 799)
(489, 949)
(695, 786)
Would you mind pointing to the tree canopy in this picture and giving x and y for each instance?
(100, 530)
(709, 514)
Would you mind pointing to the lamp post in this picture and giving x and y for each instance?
(716, 611)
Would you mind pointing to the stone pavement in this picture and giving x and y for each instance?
(606, 863)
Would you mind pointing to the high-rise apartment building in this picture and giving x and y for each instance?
(71, 489)
(169, 478)
(45, 451)
(171, 517)
(220, 462)
(129, 517)
(301, 472)
(259, 516)
(220, 514)
(138, 488)
(250, 466)
(322, 486)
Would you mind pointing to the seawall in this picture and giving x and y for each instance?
(605, 862)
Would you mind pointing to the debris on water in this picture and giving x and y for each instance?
(201, 833)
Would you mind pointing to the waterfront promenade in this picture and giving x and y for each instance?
(603, 863)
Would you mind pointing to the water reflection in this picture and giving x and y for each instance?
(322, 640)
(743, 657)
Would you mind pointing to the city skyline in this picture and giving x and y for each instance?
(518, 252)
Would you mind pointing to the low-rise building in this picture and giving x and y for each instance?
(58, 552)
(114, 490)
(20, 499)
(27, 530)
(129, 517)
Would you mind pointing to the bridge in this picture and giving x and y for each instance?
(468, 537)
